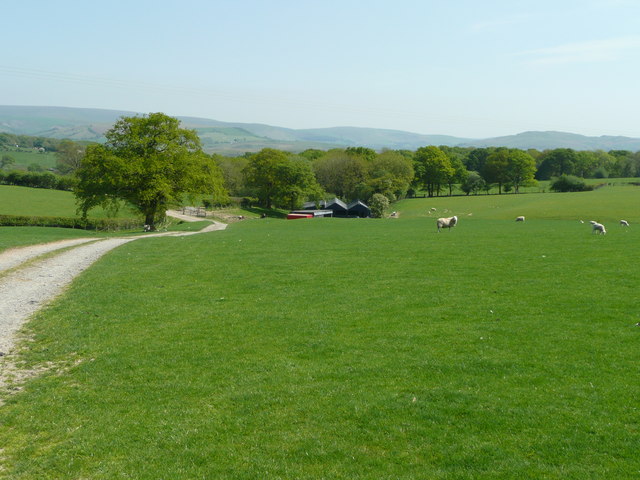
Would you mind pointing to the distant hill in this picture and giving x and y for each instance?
(237, 138)
(550, 140)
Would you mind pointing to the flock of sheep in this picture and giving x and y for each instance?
(448, 222)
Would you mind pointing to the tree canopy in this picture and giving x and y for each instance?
(148, 162)
(279, 179)
(433, 168)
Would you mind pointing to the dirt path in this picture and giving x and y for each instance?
(27, 283)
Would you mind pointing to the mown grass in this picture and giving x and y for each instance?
(337, 348)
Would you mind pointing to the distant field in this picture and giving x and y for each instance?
(607, 204)
(25, 158)
(43, 202)
(347, 348)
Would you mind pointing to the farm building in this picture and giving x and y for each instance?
(358, 209)
(311, 213)
(338, 208)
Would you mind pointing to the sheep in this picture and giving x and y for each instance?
(520, 218)
(624, 223)
(447, 222)
(598, 228)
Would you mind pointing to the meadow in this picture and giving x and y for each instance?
(347, 348)
(44, 202)
(24, 158)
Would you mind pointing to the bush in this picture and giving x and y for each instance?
(600, 172)
(569, 183)
(378, 204)
(37, 180)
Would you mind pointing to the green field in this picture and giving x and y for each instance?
(44, 202)
(347, 348)
(24, 158)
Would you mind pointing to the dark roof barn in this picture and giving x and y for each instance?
(358, 209)
(337, 205)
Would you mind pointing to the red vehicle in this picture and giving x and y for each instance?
(295, 216)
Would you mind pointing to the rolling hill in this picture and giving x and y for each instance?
(237, 138)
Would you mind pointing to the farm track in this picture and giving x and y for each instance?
(27, 283)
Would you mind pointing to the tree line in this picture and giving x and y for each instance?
(150, 161)
(359, 172)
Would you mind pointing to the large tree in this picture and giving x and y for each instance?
(69, 155)
(341, 173)
(391, 174)
(496, 166)
(433, 168)
(280, 180)
(148, 162)
(553, 163)
(521, 168)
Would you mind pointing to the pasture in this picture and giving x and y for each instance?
(44, 202)
(25, 158)
(347, 348)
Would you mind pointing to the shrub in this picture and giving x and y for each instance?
(37, 180)
(378, 204)
(104, 224)
(569, 183)
(600, 172)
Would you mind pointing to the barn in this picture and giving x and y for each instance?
(338, 208)
(358, 209)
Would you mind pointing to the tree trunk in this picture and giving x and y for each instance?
(149, 221)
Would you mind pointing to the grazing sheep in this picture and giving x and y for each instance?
(598, 228)
(433, 209)
(624, 223)
(447, 222)
(520, 218)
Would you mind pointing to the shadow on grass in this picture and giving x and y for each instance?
(266, 212)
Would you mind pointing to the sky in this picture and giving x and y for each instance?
(465, 68)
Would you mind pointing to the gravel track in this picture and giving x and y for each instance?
(25, 289)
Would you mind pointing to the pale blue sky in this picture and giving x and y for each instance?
(458, 67)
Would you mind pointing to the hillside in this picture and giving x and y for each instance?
(549, 140)
(237, 138)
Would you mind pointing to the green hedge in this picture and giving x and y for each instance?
(38, 180)
(103, 224)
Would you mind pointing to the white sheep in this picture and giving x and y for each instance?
(624, 223)
(520, 218)
(598, 228)
(447, 222)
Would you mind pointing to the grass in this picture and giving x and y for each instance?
(605, 204)
(23, 159)
(40, 201)
(337, 348)
(21, 236)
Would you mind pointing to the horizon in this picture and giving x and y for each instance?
(318, 128)
(462, 69)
